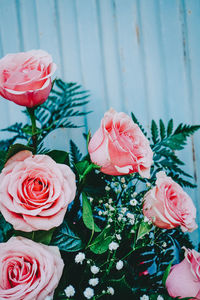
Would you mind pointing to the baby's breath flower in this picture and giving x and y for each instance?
(107, 188)
(123, 180)
(124, 210)
(148, 184)
(110, 200)
(79, 258)
(135, 194)
(133, 202)
(110, 220)
(94, 281)
(113, 246)
(88, 293)
(111, 208)
(160, 297)
(118, 236)
(94, 269)
(146, 219)
(99, 212)
(144, 297)
(69, 291)
(119, 265)
(110, 290)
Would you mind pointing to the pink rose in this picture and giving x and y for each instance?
(35, 191)
(184, 278)
(120, 147)
(168, 206)
(28, 270)
(25, 77)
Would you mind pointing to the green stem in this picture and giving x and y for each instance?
(31, 111)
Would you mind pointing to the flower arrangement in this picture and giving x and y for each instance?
(107, 224)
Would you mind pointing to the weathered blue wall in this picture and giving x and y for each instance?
(134, 55)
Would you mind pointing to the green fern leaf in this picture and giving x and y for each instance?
(154, 132)
(170, 127)
(135, 120)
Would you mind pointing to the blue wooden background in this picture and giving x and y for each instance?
(134, 55)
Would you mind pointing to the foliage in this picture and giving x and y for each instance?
(102, 222)
(65, 102)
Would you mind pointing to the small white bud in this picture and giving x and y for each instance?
(148, 184)
(110, 200)
(94, 281)
(79, 258)
(107, 188)
(119, 265)
(118, 236)
(144, 297)
(88, 293)
(99, 212)
(94, 269)
(110, 290)
(123, 180)
(113, 246)
(133, 202)
(69, 291)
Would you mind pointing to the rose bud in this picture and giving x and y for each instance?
(120, 147)
(184, 278)
(25, 77)
(168, 206)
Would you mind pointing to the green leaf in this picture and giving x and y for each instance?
(2, 159)
(102, 241)
(144, 229)
(75, 152)
(166, 273)
(82, 166)
(66, 240)
(61, 157)
(187, 130)
(17, 148)
(154, 131)
(170, 127)
(5, 228)
(162, 129)
(135, 120)
(88, 137)
(39, 236)
(87, 215)
(176, 141)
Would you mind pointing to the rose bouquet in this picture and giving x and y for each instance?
(106, 224)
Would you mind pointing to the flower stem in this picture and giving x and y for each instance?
(31, 111)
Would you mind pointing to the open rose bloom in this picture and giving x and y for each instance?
(25, 77)
(28, 270)
(35, 191)
(184, 278)
(168, 206)
(120, 147)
